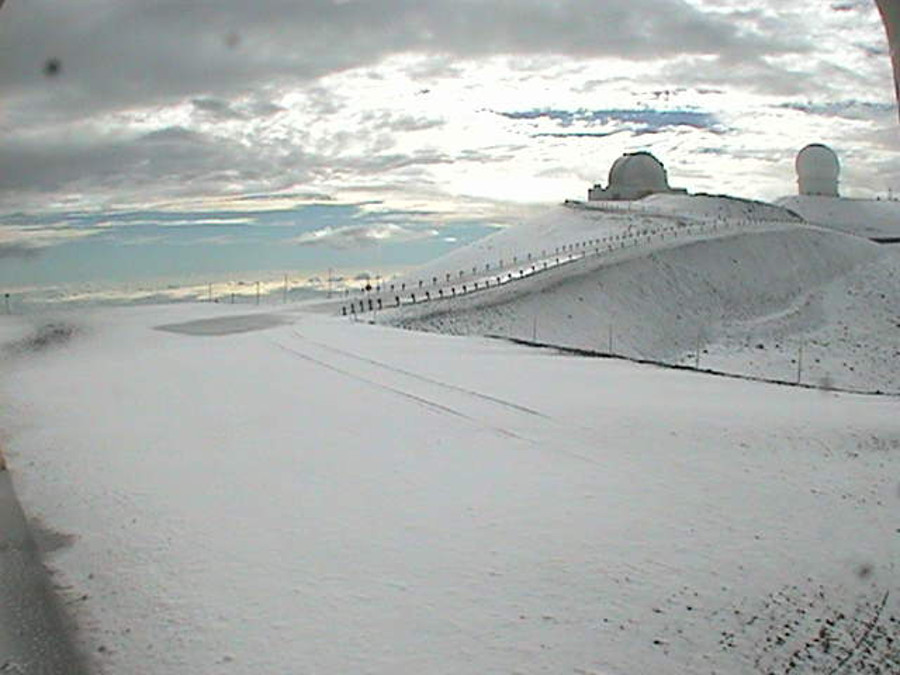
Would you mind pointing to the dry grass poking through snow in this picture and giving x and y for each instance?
(43, 338)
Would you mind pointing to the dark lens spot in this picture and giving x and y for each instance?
(52, 67)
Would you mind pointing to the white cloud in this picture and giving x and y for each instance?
(204, 103)
(358, 236)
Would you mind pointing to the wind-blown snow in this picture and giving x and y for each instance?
(328, 496)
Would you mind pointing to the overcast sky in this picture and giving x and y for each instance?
(413, 116)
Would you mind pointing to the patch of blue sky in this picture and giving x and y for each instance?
(644, 118)
(144, 245)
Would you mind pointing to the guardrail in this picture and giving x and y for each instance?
(477, 279)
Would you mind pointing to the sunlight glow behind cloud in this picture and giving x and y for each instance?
(436, 111)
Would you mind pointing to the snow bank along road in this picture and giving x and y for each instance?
(327, 496)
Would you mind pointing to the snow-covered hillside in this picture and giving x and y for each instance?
(575, 222)
(297, 493)
(874, 219)
(288, 491)
(753, 294)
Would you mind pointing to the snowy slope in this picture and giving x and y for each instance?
(334, 497)
(874, 219)
(750, 294)
(576, 222)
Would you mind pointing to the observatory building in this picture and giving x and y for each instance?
(818, 170)
(634, 176)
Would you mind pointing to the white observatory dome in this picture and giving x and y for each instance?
(634, 176)
(817, 171)
(638, 172)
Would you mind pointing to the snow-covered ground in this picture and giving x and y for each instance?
(872, 218)
(762, 295)
(299, 493)
(285, 490)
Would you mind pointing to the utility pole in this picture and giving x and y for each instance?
(285, 288)
(697, 355)
(257, 293)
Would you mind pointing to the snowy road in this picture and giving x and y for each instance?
(328, 496)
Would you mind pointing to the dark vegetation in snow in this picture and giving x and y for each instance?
(44, 338)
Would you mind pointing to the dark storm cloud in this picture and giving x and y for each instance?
(120, 53)
(222, 110)
(175, 161)
(851, 109)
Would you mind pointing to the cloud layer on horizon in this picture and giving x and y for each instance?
(185, 106)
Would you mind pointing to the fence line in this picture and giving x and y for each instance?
(450, 284)
(824, 384)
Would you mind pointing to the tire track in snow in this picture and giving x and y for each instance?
(440, 407)
(591, 434)
(423, 378)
